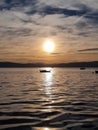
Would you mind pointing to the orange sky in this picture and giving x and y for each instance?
(71, 24)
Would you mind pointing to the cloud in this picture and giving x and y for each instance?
(56, 53)
(10, 4)
(18, 32)
(93, 16)
(50, 10)
(73, 24)
(81, 18)
(90, 49)
(78, 10)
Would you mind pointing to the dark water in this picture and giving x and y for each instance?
(65, 99)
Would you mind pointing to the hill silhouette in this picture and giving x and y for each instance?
(72, 64)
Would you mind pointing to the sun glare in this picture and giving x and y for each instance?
(48, 46)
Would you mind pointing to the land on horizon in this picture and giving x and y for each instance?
(71, 64)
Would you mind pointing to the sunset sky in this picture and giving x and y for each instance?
(26, 24)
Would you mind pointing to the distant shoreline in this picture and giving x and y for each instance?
(35, 65)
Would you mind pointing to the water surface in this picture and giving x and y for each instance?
(65, 99)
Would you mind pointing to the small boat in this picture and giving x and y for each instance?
(44, 71)
(96, 72)
(82, 68)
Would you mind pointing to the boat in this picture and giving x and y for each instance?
(44, 71)
(82, 68)
(96, 72)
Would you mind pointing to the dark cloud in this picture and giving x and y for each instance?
(81, 10)
(82, 24)
(49, 10)
(90, 16)
(84, 34)
(46, 10)
(9, 4)
(88, 53)
(16, 31)
(20, 2)
(56, 53)
(90, 49)
(86, 14)
(93, 17)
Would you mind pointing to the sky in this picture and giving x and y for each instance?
(26, 24)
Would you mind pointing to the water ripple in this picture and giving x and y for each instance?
(66, 99)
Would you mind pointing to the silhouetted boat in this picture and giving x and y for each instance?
(96, 72)
(82, 68)
(44, 71)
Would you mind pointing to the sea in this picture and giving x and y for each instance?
(64, 99)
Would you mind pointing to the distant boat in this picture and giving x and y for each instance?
(44, 71)
(82, 68)
(96, 72)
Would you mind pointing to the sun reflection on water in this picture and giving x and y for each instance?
(46, 128)
(48, 82)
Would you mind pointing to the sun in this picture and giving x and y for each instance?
(48, 46)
